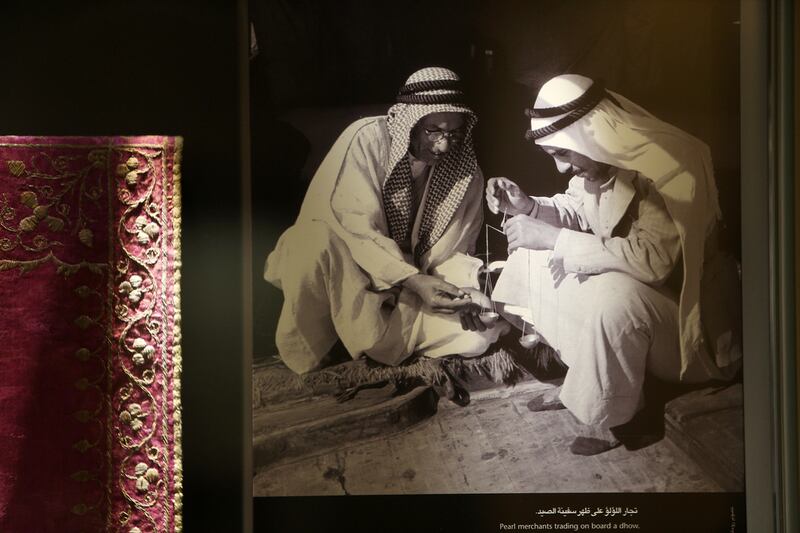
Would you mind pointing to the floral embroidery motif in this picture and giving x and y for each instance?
(83, 446)
(54, 185)
(139, 310)
(83, 321)
(83, 354)
(129, 172)
(145, 475)
(145, 231)
(133, 416)
(126, 318)
(83, 291)
(16, 167)
(142, 352)
(86, 236)
(133, 288)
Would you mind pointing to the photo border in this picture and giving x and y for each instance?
(770, 417)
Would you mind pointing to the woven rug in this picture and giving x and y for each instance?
(499, 365)
(90, 360)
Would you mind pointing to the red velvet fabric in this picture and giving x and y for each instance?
(89, 334)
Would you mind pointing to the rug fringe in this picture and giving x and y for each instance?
(545, 357)
(498, 366)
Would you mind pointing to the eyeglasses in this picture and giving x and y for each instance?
(437, 135)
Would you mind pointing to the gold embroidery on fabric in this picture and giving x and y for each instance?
(56, 200)
(58, 203)
(177, 360)
(138, 305)
(16, 167)
(81, 146)
(83, 446)
(84, 321)
(110, 184)
(84, 416)
(81, 509)
(83, 292)
(64, 268)
(86, 236)
(52, 188)
(82, 476)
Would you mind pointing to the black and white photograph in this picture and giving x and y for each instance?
(496, 247)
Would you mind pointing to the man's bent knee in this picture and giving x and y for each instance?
(311, 240)
(620, 297)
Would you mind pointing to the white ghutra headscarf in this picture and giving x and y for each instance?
(575, 113)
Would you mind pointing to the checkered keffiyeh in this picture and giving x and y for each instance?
(430, 90)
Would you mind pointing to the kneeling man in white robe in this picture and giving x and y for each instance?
(621, 274)
(379, 256)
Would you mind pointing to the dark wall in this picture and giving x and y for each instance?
(152, 67)
(678, 58)
(321, 62)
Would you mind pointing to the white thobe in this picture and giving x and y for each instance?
(601, 297)
(340, 273)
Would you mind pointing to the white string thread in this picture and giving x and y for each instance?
(487, 287)
(525, 322)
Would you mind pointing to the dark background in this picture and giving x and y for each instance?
(154, 67)
(322, 64)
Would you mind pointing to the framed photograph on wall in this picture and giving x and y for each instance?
(494, 438)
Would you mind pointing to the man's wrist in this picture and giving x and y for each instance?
(532, 211)
(526, 209)
(410, 281)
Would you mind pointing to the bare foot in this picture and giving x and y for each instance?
(592, 446)
(594, 440)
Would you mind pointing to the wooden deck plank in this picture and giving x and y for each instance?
(493, 445)
(378, 413)
(708, 424)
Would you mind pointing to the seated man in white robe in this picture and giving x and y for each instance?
(621, 274)
(379, 254)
